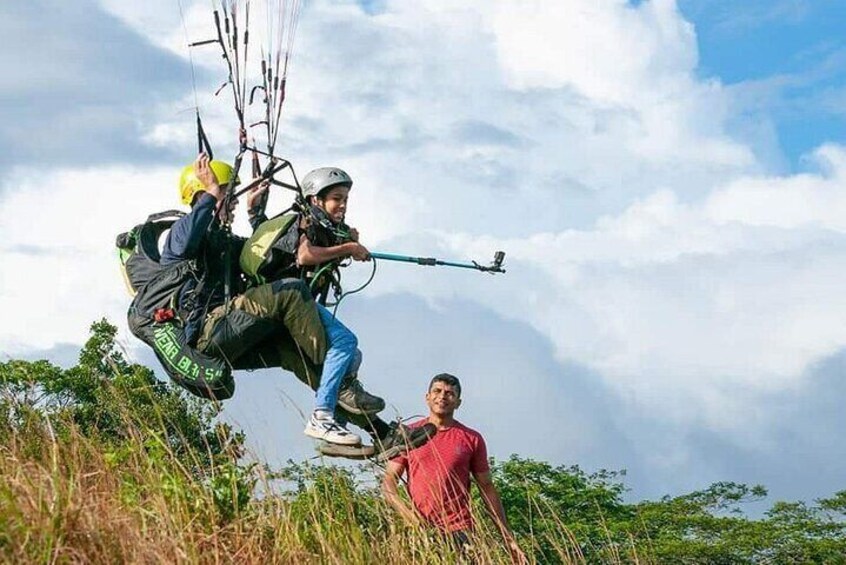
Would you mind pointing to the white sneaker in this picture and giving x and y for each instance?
(323, 426)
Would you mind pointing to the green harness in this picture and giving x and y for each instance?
(153, 315)
(258, 251)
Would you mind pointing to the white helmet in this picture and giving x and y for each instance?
(318, 180)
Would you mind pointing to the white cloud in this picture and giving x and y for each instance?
(644, 241)
(800, 201)
(549, 45)
(689, 302)
(61, 270)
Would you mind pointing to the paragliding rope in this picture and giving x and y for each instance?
(281, 17)
(234, 43)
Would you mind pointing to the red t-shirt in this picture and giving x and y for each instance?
(439, 475)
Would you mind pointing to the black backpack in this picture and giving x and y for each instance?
(153, 315)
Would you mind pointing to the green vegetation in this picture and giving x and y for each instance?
(102, 463)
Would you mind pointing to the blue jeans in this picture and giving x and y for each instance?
(342, 357)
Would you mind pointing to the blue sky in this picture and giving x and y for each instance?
(668, 181)
(794, 45)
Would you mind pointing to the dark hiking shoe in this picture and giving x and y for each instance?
(346, 451)
(355, 400)
(402, 439)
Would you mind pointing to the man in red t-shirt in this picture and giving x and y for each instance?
(439, 472)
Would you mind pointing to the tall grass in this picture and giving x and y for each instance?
(102, 463)
(71, 498)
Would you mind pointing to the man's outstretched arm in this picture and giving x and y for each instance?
(391, 493)
(493, 503)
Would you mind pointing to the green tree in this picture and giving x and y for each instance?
(106, 397)
(705, 526)
(552, 509)
(543, 501)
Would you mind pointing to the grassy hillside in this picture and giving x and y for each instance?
(101, 463)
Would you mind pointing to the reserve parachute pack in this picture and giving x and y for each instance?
(257, 254)
(153, 315)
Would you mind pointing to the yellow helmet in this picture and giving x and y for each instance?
(190, 185)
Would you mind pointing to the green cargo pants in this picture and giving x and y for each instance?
(272, 325)
(271, 314)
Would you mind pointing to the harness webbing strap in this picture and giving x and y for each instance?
(166, 214)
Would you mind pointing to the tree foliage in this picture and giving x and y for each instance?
(161, 444)
(106, 397)
(706, 526)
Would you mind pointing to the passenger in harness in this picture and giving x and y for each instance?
(272, 324)
(310, 239)
(320, 235)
